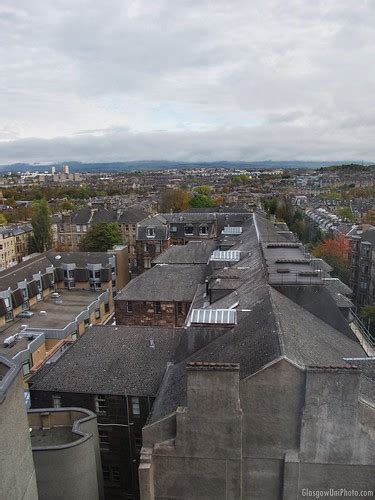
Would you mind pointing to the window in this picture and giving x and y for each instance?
(173, 229)
(115, 474)
(86, 322)
(157, 247)
(97, 313)
(129, 307)
(104, 440)
(106, 307)
(157, 308)
(100, 404)
(134, 227)
(203, 230)
(138, 440)
(74, 336)
(78, 229)
(150, 232)
(145, 246)
(189, 229)
(26, 368)
(180, 309)
(84, 229)
(126, 227)
(136, 410)
(9, 316)
(147, 262)
(106, 473)
(56, 401)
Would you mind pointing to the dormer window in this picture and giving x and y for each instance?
(150, 232)
(203, 229)
(189, 229)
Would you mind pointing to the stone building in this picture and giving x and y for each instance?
(14, 240)
(362, 267)
(152, 239)
(278, 402)
(115, 372)
(155, 299)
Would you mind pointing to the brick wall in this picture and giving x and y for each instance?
(143, 313)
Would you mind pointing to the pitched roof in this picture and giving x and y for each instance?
(195, 252)
(112, 360)
(159, 283)
(133, 214)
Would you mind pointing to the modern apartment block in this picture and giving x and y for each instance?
(362, 263)
(51, 299)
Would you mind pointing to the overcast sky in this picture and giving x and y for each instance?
(103, 80)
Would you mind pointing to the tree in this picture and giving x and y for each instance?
(3, 219)
(346, 213)
(204, 189)
(367, 313)
(201, 201)
(101, 237)
(174, 200)
(335, 253)
(41, 240)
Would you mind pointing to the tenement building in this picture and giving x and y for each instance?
(362, 262)
(259, 389)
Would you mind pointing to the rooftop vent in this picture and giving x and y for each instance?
(283, 245)
(232, 230)
(58, 257)
(214, 316)
(292, 261)
(229, 255)
(308, 273)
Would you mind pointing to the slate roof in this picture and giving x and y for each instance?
(165, 282)
(112, 360)
(81, 259)
(25, 270)
(133, 214)
(159, 223)
(275, 327)
(368, 236)
(82, 216)
(195, 252)
(103, 215)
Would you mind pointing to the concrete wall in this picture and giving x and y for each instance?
(275, 434)
(70, 471)
(18, 480)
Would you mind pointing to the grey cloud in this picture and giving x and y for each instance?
(267, 78)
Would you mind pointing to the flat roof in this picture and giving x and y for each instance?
(60, 312)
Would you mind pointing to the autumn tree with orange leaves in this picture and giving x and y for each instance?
(335, 251)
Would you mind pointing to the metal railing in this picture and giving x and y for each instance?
(364, 331)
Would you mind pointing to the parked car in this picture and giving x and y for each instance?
(26, 314)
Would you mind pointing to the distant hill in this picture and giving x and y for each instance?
(157, 165)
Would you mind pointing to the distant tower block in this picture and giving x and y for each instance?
(53, 170)
(66, 169)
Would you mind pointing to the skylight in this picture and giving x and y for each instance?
(214, 316)
(230, 255)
